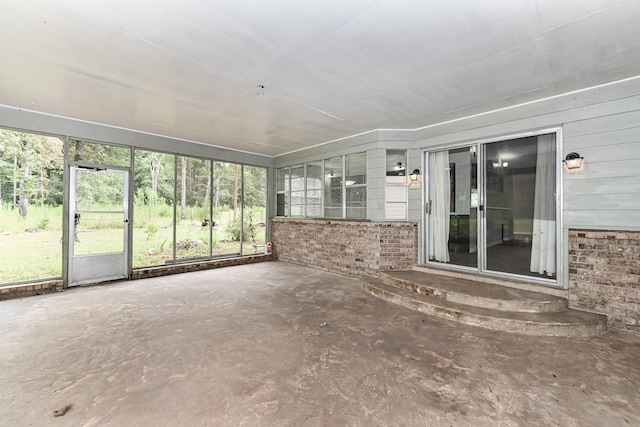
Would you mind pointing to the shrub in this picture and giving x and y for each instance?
(151, 230)
(233, 228)
(249, 230)
(43, 223)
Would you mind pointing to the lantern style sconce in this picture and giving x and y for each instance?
(415, 175)
(573, 161)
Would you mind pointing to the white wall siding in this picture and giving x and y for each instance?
(602, 124)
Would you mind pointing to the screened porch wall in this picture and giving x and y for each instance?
(30, 121)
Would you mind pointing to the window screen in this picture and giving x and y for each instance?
(333, 187)
(297, 190)
(356, 185)
(314, 189)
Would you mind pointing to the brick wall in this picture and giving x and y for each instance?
(30, 289)
(51, 286)
(350, 248)
(604, 275)
(164, 270)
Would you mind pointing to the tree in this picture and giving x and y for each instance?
(33, 157)
(224, 179)
(235, 191)
(102, 154)
(183, 188)
(23, 207)
(155, 163)
(254, 186)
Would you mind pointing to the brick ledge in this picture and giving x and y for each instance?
(165, 270)
(30, 289)
(52, 286)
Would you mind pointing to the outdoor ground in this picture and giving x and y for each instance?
(274, 344)
(36, 254)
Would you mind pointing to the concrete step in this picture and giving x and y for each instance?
(474, 293)
(562, 323)
(494, 280)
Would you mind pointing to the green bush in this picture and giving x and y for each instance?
(250, 228)
(43, 223)
(233, 228)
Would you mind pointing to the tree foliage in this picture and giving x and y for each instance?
(31, 168)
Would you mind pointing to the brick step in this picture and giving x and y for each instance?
(474, 293)
(562, 323)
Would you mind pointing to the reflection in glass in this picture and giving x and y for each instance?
(333, 187)
(297, 190)
(521, 207)
(314, 189)
(453, 205)
(282, 192)
(356, 185)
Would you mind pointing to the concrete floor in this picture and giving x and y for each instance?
(275, 344)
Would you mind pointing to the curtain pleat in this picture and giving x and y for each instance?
(440, 207)
(543, 249)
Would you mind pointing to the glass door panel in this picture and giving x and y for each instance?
(453, 207)
(520, 208)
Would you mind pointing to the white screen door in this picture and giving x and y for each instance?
(98, 225)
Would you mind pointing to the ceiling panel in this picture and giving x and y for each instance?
(330, 68)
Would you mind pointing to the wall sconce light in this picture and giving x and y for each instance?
(415, 175)
(573, 161)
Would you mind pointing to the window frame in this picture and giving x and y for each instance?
(284, 188)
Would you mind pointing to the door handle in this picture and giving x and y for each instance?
(126, 220)
(428, 207)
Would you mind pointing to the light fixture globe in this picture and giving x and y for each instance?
(573, 161)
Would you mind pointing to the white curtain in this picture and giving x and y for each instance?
(440, 206)
(543, 250)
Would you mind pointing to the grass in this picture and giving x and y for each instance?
(37, 253)
(29, 256)
(43, 217)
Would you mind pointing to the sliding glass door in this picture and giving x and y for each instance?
(492, 206)
(453, 207)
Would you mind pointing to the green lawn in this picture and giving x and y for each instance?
(29, 256)
(37, 254)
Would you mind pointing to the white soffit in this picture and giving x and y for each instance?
(331, 68)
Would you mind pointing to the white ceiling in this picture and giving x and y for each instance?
(330, 68)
